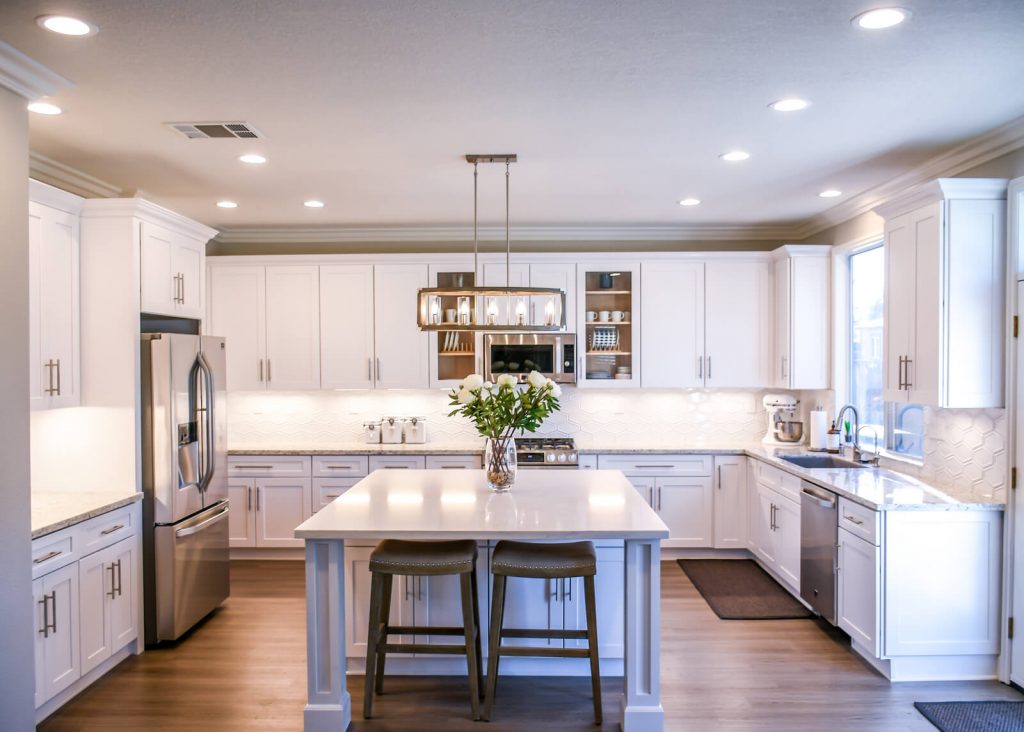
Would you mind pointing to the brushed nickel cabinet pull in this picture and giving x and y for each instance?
(709, 368)
(58, 377)
(112, 592)
(112, 529)
(907, 361)
(253, 467)
(700, 367)
(853, 520)
(48, 556)
(248, 498)
(269, 377)
(53, 604)
(258, 498)
(119, 588)
(378, 370)
(45, 630)
(369, 369)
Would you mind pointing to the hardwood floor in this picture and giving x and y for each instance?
(244, 669)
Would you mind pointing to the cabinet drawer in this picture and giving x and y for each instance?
(859, 520)
(666, 465)
(454, 462)
(54, 551)
(588, 462)
(326, 490)
(277, 466)
(333, 466)
(110, 528)
(401, 462)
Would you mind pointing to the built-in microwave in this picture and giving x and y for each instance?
(552, 354)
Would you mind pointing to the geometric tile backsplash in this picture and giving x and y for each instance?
(963, 447)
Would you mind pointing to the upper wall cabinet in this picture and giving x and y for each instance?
(346, 326)
(607, 338)
(945, 293)
(802, 324)
(172, 269)
(672, 330)
(54, 308)
(401, 351)
(269, 317)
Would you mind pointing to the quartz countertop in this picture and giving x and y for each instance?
(56, 510)
(447, 504)
(877, 488)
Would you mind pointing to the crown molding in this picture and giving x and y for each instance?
(346, 234)
(27, 77)
(69, 179)
(98, 208)
(963, 157)
(39, 192)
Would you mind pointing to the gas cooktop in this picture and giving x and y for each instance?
(546, 452)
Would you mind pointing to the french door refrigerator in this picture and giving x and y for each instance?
(184, 477)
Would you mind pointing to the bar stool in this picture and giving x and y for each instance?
(545, 561)
(422, 559)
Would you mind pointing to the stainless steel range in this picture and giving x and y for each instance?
(546, 452)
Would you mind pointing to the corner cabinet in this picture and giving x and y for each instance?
(54, 305)
(945, 247)
(802, 317)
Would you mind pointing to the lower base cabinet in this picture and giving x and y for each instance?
(57, 651)
(774, 526)
(107, 602)
(858, 586)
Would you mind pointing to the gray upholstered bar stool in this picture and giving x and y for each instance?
(422, 559)
(544, 561)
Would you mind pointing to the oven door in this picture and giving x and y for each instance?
(553, 355)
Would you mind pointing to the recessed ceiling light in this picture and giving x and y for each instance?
(227, 204)
(252, 159)
(830, 193)
(790, 105)
(734, 156)
(44, 108)
(689, 202)
(313, 203)
(66, 25)
(880, 18)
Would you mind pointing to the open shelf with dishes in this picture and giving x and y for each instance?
(608, 317)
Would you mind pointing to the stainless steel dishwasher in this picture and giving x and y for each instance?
(818, 538)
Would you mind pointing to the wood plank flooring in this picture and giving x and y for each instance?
(244, 669)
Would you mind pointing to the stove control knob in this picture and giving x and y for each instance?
(573, 457)
(561, 458)
(550, 457)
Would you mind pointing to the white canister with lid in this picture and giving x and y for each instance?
(415, 430)
(391, 431)
(371, 433)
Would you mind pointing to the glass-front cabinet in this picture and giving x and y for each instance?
(608, 297)
(453, 354)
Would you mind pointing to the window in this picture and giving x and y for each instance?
(899, 426)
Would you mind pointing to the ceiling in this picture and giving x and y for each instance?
(616, 109)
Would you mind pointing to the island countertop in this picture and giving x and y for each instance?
(445, 504)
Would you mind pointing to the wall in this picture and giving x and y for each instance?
(595, 417)
(16, 678)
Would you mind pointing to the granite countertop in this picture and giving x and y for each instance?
(56, 510)
(475, 447)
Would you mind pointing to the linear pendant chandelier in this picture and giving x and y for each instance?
(491, 309)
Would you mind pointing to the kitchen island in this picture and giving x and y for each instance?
(441, 505)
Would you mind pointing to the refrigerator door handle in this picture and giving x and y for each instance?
(201, 369)
(182, 533)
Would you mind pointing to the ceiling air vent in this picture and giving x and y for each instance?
(208, 130)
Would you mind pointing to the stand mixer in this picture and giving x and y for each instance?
(783, 429)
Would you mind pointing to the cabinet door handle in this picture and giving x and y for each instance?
(112, 529)
(47, 557)
(58, 377)
(650, 467)
(119, 587)
(378, 370)
(709, 368)
(659, 498)
(700, 367)
(554, 588)
(45, 630)
(248, 498)
(261, 370)
(258, 498)
(53, 605)
(49, 377)
(899, 372)
(853, 520)
(369, 369)
(718, 470)
(182, 288)
(906, 361)
(419, 589)
(112, 592)
(569, 582)
(269, 377)
(771, 521)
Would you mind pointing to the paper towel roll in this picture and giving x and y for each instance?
(819, 429)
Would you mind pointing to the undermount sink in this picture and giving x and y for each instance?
(829, 462)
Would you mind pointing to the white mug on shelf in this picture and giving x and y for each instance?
(591, 316)
(603, 316)
(617, 316)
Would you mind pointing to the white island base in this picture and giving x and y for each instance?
(545, 505)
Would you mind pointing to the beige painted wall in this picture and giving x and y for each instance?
(16, 677)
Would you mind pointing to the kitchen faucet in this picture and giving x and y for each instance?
(856, 454)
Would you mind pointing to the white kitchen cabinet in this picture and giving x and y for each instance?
(293, 327)
(763, 530)
(402, 352)
(730, 502)
(802, 317)
(685, 505)
(672, 330)
(858, 588)
(269, 317)
(346, 326)
(108, 602)
(326, 490)
(281, 505)
(241, 517)
(357, 609)
(270, 495)
(437, 601)
(777, 526)
(237, 311)
(54, 306)
(787, 541)
(944, 298)
(171, 271)
(738, 327)
(57, 649)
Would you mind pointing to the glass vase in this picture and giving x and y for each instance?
(500, 463)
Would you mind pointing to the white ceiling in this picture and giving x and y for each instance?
(616, 109)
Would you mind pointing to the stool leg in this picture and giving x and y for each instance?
(372, 636)
(469, 629)
(494, 644)
(595, 667)
(385, 615)
(476, 640)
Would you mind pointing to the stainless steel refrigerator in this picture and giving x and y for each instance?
(184, 477)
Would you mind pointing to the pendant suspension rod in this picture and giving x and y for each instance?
(508, 244)
(476, 241)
